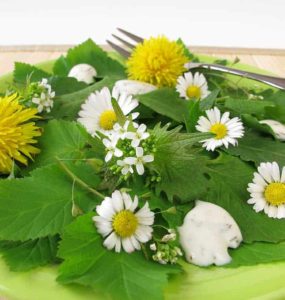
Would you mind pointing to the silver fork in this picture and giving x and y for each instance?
(126, 47)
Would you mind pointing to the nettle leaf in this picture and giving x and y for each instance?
(68, 106)
(257, 148)
(166, 101)
(253, 123)
(278, 111)
(61, 140)
(179, 164)
(187, 52)
(192, 117)
(30, 254)
(228, 189)
(89, 53)
(41, 205)
(66, 85)
(24, 72)
(209, 101)
(257, 253)
(246, 106)
(117, 275)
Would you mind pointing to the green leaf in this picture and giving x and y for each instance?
(228, 189)
(118, 111)
(68, 106)
(252, 122)
(23, 72)
(257, 148)
(40, 205)
(278, 111)
(66, 85)
(117, 275)
(209, 101)
(166, 102)
(186, 49)
(63, 140)
(257, 253)
(30, 254)
(89, 53)
(246, 106)
(193, 115)
(179, 164)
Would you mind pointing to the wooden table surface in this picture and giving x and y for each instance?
(269, 59)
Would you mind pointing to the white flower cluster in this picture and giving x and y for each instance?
(166, 251)
(131, 143)
(43, 96)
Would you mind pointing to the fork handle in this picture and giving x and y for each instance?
(271, 80)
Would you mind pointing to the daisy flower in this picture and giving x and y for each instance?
(267, 191)
(97, 113)
(157, 61)
(138, 136)
(139, 160)
(121, 223)
(226, 130)
(190, 87)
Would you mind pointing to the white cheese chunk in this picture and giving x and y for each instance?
(277, 127)
(132, 87)
(207, 232)
(83, 72)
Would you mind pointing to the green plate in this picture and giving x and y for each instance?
(262, 282)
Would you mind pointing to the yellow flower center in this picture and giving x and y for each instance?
(107, 119)
(220, 130)
(158, 61)
(125, 223)
(275, 193)
(193, 91)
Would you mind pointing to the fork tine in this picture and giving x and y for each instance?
(131, 35)
(124, 42)
(119, 49)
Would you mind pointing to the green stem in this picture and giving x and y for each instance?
(144, 251)
(78, 180)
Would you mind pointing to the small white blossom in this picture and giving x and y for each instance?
(126, 168)
(83, 72)
(120, 131)
(44, 101)
(111, 149)
(169, 237)
(152, 247)
(138, 136)
(139, 160)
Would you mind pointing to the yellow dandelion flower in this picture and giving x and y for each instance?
(17, 133)
(157, 61)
